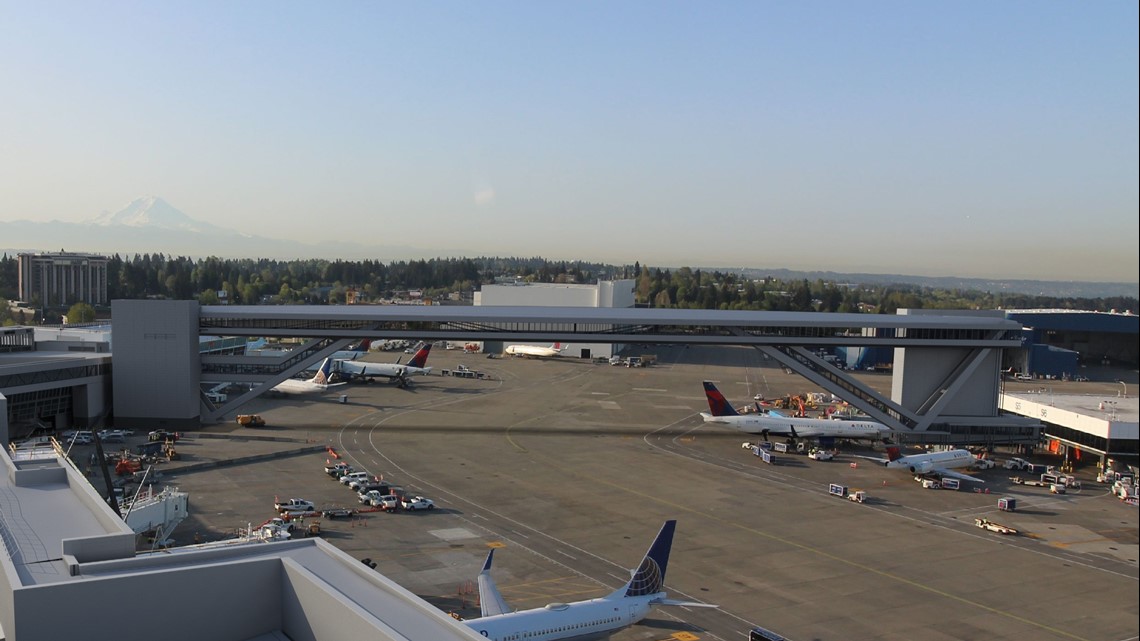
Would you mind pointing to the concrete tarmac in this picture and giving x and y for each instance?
(571, 467)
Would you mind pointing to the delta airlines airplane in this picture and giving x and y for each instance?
(929, 463)
(318, 383)
(535, 351)
(416, 366)
(353, 352)
(826, 430)
(581, 620)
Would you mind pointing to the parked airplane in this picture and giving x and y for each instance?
(826, 430)
(592, 619)
(353, 352)
(318, 383)
(929, 462)
(535, 351)
(396, 372)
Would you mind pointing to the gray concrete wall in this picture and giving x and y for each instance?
(312, 613)
(919, 372)
(157, 368)
(229, 602)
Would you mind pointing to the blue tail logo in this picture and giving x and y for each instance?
(718, 404)
(649, 578)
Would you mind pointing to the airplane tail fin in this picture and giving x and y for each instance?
(718, 404)
(649, 577)
(420, 358)
(491, 602)
(364, 345)
(323, 372)
(893, 453)
(558, 347)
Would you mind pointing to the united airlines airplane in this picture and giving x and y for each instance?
(581, 620)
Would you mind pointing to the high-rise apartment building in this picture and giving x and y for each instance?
(59, 279)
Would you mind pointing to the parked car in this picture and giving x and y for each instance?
(352, 476)
(295, 505)
(358, 484)
(386, 502)
(1016, 464)
(379, 488)
(417, 503)
(367, 497)
(82, 438)
(112, 436)
(337, 470)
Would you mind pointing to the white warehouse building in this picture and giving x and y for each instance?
(607, 293)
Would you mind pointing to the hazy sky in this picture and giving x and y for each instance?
(968, 138)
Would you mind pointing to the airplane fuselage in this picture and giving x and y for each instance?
(923, 463)
(390, 370)
(579, 621)
(802, 427)
(532, 351)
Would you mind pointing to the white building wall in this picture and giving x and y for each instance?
(616, 293)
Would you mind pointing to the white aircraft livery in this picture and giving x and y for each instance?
(939, 463)
(535, 351)
(318, 383)
(826, 430)
(416, 366)
(581, 620)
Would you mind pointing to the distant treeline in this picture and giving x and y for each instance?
(319, 282)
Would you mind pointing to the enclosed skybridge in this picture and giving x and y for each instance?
(946, 371)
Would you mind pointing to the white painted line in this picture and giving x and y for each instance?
(649, 389)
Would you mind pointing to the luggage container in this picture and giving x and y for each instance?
(1007, 504)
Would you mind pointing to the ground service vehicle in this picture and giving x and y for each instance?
(987, 524)
(294, 505)
(820, 455)
(337, 470)
(386, 502)
(250, 420)
(353, 476)
(858, 496)
(417, 503)
(338, 513)
(760, 634)
(1016, 464)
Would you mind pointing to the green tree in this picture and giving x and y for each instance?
(80, 313)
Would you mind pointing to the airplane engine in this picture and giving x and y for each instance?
(921, 468)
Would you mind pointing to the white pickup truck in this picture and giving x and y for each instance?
(295, 505)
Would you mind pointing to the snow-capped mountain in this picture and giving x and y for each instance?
(150, 224)
(155, 213)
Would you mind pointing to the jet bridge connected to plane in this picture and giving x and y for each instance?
(944, 388)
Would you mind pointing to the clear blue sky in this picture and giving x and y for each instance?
(944, 138)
